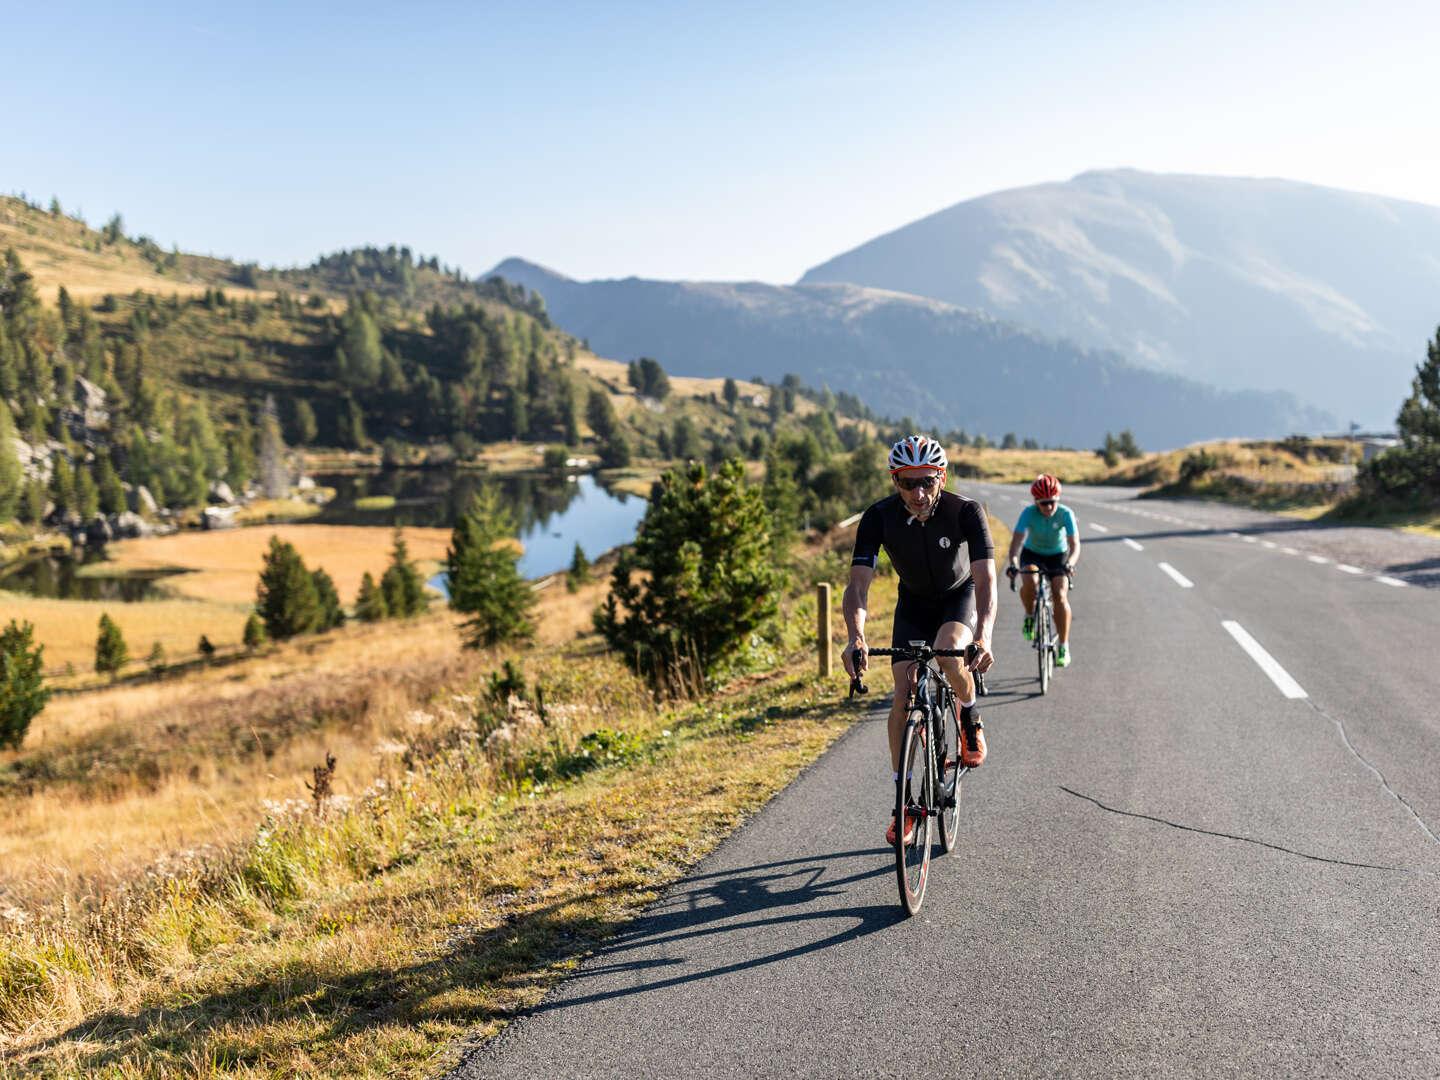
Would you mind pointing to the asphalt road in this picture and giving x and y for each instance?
(1172, 865)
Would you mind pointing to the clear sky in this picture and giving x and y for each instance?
(724, 141)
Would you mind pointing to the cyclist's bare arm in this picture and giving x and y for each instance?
(857, 595)
(1074, 555)
(1017, 541)
(983, 572)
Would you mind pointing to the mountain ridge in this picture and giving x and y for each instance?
(1242, 282)
(905, 355)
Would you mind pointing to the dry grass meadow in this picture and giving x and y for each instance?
(216, 590)
(172, 904)
(55, 252)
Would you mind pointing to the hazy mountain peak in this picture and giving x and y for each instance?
(1243, 282)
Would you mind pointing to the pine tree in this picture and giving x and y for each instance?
(484, 578)
(403, 589)
(331, 613)
(579, 572)
(12, 478)
(23, 692)
(731, 392)
(87, 493)
(254, 632)
(111, 653)
(370, 603)
(285, 598)
(707, 579)
(62, 486)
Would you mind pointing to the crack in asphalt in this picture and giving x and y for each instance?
(1345, 738)
(1242, 839)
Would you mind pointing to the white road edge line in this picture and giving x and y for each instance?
(1386, 579)
(1177, 577)
(1098, 527)
(1132, 543)
(1268, 664)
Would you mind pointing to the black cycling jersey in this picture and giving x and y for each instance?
(930, 557)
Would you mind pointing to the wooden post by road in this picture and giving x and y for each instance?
(822, 628)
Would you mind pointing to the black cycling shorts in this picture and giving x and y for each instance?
(920, 619)
(1054, 565)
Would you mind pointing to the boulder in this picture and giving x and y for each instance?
(220, 493)
(219, 517)
(141, 501)
(128, 525)
(97, 532)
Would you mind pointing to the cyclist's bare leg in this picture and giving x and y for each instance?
(956, 635)
(901, 670)
(1029, 586)
(1060, 590)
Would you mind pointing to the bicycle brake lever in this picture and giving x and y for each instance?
(857, 687)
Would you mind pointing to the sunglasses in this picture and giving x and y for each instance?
(926, 482)
(1046, 502)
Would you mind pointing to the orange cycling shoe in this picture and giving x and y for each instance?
(909, 830)
(972, 735)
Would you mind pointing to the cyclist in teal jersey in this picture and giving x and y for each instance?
(1046, 540)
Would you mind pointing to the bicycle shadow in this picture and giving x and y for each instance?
(790, 893)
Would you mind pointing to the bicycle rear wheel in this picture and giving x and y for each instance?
(947, 755)
(913, 798)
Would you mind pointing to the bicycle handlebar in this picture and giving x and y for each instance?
(915, 652)
(1012, 572)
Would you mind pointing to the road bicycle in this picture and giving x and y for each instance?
(927, 789)
(1045, 642)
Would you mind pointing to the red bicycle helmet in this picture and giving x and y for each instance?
(1045, 487)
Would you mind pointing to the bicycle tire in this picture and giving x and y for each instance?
(947, 755)
(1047, 648)
(913, 796)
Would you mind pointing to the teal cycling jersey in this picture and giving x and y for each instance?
(1046, 536)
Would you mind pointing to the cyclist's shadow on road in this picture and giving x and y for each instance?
(736, 903)
(1010, 690)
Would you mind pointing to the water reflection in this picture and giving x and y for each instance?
(552, 513)
(56, 577)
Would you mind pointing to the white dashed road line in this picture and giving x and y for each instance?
(1320, 559)
(1098, 527)
(1175, 575)
(1348, 569)
(1385, 579)
(1268, 664)
(1132, 543)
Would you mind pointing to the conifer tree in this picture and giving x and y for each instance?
(62, 485)
(111, 652)
(87, 493)
(706, 579)
(23, 692)
(484, 578)
(254, 632)
(370, 603)
(579, 572)
(112, 491)
(401, 584)
(12, 478)
(331, 613)
(285, 598)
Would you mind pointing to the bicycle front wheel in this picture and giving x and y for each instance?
(1042, 646)
(913, 798)
(947, 757)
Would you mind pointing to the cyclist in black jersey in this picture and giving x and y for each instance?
(939, 544)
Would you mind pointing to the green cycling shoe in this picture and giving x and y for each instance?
(1062, 656)
(1028, 630)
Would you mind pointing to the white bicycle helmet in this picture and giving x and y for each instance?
(917, 452)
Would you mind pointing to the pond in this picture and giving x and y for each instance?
(553, 514)
(57, 577)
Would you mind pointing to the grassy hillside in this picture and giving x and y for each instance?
(197, 370)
